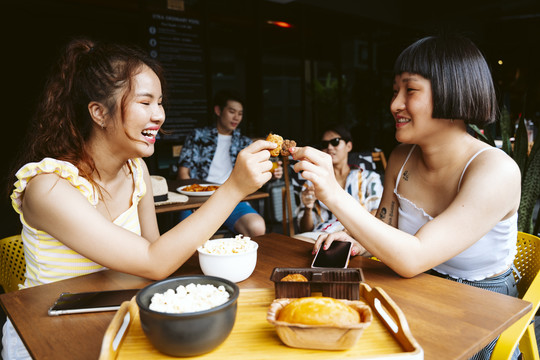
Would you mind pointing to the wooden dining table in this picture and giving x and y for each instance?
(195, 201)
(448, 319)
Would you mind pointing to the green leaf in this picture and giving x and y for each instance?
(530, 192)
(487, 139)
(521, 146)
(507, 130)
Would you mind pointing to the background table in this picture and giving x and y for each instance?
(195, 202)
(448, 319)
(167, 214)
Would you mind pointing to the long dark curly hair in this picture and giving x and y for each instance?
(86, 71)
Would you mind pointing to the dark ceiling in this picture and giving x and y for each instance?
(495, 24)
(423, 11)
(506, 30)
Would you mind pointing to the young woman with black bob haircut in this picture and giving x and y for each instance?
(84, 193)
(450, 201)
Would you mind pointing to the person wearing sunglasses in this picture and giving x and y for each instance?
(334, 142)
(365, 186)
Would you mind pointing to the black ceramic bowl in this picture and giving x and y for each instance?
(187, 334)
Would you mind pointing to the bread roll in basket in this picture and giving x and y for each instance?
(321, 337)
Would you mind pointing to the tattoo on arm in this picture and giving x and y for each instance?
(406, 175)
(391, 216)
(384, 212)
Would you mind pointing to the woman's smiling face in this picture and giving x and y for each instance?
(143, 114)
(411, 106)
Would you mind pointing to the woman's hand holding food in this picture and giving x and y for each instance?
(316, 166)
(282, 148)
(252, 167)
(325, 240)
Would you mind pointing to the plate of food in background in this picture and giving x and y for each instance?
(198, 189)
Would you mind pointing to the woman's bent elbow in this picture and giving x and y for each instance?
(408, 274)
(408, 271)
(155, 274)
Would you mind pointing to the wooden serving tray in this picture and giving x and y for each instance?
(388, 336)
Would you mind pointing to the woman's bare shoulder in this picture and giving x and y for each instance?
(44, 183)
(398, 155)
(495, 160)
(48, 189)
(45, 195)
(493, 169)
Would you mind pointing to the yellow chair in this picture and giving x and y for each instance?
(12, 265)
(527, 262)
(379, 156)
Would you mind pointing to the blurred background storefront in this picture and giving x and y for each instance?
(299, 63)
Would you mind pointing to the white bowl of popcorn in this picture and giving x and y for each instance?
(233, 259)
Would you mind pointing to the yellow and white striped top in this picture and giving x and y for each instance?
(47, 259)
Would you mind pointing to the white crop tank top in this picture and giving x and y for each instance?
(490, 255)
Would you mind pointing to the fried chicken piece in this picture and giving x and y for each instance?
(287, 144)
(277, 140)
(283, 146)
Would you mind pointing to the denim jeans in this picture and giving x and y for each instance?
(503, 284)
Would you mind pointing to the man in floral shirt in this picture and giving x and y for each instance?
(209, 154)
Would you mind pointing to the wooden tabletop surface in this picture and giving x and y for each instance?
(448, 319)
(195, 202)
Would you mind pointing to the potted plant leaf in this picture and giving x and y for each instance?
(528, 162)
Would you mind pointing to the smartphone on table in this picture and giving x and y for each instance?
(94, 301)
(336, 256)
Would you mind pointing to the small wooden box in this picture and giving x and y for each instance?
(335, 283)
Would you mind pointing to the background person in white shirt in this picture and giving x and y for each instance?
(209, 154)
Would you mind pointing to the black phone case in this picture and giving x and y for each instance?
(72, 303)
(336, 256)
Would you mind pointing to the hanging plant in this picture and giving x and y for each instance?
(326, 98)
